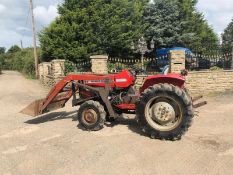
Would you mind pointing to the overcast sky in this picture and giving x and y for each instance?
(15, 24)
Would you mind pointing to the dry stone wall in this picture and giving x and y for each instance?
(139, 81)
(203, 82)
(198, 82)
(206, 82)
(51, 72)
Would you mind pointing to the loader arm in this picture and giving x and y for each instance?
(58, 95)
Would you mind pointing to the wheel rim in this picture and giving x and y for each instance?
(163, 113)
(89, 117)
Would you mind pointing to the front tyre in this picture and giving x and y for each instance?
(164, 111)
(91, 115)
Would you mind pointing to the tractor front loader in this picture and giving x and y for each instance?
(163, 107)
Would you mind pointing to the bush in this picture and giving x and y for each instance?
(215, 68)
(21, 60)
(117, 67)
(1, 63)
(69, 67)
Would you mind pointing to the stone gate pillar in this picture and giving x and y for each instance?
(177, 61)
(57, 71)
(45, 71)
(99, 64)
(58, 68)
(41, 71)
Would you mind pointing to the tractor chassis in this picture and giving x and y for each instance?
(103, 93)
(163, 107)
(42, 106)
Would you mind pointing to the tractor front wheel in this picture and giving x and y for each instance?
(91, 116)
(165, 111)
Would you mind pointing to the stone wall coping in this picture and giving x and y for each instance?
(208, 71)
(58, 60)
(51, 76)
(45, 63)
(99, 57)
(194, 72)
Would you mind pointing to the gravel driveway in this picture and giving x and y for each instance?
(53, 145)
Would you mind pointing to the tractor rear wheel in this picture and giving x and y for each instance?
(91, 115)
(164, 111)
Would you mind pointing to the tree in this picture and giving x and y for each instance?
(178, 23)
(2, 50)
(92, 27)
(14, 49)
(196, 31)
(163, 23)
(109, 27)
(20, 60)
(227, 37)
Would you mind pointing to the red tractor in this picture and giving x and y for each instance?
(163, 107)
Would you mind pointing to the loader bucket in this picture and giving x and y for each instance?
(34, 109)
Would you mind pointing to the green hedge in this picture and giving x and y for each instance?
(21, 60)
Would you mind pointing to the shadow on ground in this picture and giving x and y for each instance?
(54, 116)
(130, 123)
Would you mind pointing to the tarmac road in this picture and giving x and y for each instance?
(53, 145)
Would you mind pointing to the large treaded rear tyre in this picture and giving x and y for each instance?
(91, 116)
(164, 111)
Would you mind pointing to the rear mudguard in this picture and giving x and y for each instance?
(175, 79)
